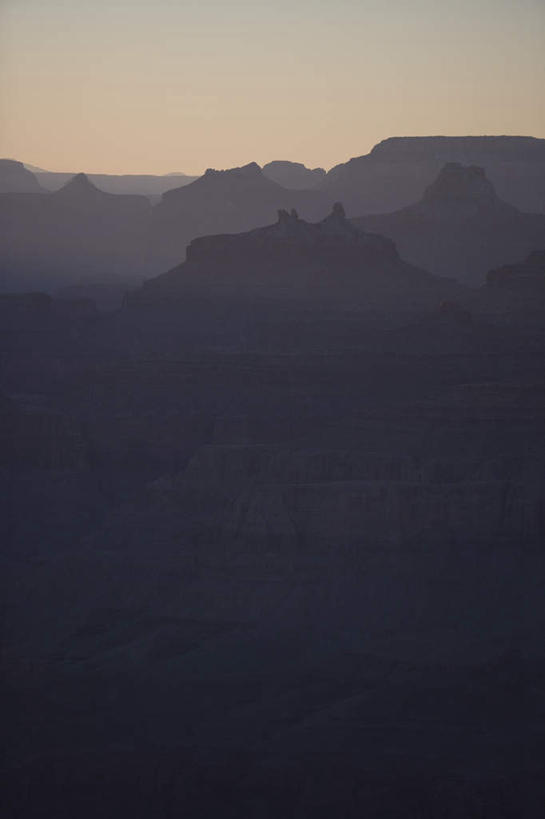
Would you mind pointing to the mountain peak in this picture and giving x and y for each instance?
(456, 183)
(79, 185)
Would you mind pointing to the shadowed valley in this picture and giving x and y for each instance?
(273, 527)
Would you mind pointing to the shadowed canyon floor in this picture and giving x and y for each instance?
(269, 555)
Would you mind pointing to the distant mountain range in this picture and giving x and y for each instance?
(17, 177)
(223, 202)
(460, 227)
(394, 174)
(82, 235)
(139, 184)
(79, 232)
(272, 531)
(398, 170)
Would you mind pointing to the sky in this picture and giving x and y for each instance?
(133, 86)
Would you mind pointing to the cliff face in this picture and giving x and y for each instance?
(463, 148)
(317, 557)
(460, 227)
(387, 503)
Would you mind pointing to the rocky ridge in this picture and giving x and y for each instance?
(397, 171)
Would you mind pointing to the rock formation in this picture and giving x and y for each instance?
(15, 178)
(331, 261)
(228, 201)
(294, 175)
(135, 184)
(77, 234)
(460, 227)
(280, 520)
(398, 170)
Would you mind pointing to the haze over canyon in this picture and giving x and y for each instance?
(273, 501)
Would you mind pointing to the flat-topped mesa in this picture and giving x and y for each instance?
(460, 148)
(290, 231)
(328, 262)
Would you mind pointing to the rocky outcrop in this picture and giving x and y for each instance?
(331, 262)
(227, 201)
(460, 186)
(460, 227)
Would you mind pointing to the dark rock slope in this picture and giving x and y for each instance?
(223, 202)
(290, 285)
(76, 234)
(294, 570)
(331, 261)
(134, 184)
(15, 178)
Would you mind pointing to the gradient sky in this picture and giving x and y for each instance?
(127, 86)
